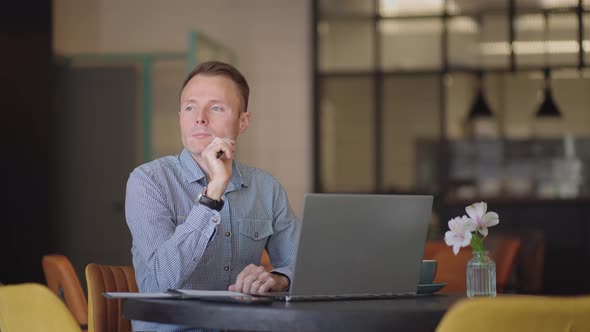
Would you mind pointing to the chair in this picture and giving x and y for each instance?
(452, 269)
(520, 313)
(33, 307)
(531, 262)
(104, 315)
(433, 247)
(64, 282)
(505, 255)
(265, 261)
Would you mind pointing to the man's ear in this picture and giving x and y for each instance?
(244, 121)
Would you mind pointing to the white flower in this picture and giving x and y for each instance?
(482, 220)
(460, 233)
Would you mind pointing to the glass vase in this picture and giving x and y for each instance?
(481, 275)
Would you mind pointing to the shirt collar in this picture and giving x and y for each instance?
(192, 172)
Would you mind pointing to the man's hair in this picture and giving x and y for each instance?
(217, 68)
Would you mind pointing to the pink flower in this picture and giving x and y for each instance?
(460, 233)
(482, 220)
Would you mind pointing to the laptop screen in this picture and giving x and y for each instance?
(356, 244)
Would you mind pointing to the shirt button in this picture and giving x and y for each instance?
(255, 234)
(216, 219)
(226, 268)
(227, 233)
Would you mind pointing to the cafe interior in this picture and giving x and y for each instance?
(466, 100)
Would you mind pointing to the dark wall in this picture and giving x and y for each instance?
(26, 81)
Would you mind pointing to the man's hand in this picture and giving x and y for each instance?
(255, 280)
(217, 157)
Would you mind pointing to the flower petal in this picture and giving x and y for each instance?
(456, 249)
(449, 238)
(491, 219)
(470, 224)
(466, 239)
(483, 231)
(455, 224)
(476, 211)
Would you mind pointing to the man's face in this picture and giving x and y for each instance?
(210, 106)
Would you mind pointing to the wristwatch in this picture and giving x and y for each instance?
(209, 202)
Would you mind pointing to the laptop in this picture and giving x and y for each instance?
(359, 246)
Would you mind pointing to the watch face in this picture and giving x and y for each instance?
(201, 194)
(203, 198)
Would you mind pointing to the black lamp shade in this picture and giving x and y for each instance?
(480, 107)
(548, 108)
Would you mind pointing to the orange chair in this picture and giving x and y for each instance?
(265, 261)
(505, 256)
(453, 269)
(104, 315)
(531, 264)
(62, 279)
(433, 247)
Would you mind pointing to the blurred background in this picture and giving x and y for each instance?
(465, 100)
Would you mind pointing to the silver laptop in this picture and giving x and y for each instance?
(359, 246)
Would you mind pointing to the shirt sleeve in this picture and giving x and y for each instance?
(169, 253)
(282, 245)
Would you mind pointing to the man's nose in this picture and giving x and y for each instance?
(201, 117)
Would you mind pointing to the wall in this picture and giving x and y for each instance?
(272, 42)
(26, 139)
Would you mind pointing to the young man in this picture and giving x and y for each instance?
(200, 220)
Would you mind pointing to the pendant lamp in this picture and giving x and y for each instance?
(548, 108)
(480, 108)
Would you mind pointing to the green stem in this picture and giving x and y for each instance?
(476, 242)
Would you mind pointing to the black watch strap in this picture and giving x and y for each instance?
(216, 205)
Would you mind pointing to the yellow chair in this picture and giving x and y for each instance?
(104, 315)
(62, 279)
(518, 313)
(33, 307)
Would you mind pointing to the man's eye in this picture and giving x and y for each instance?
(217, 108)
(188, 108)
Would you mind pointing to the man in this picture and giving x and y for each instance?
(200, 220)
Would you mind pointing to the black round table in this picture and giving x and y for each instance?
(420, 313)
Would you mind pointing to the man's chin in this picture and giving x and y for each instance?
(195, 152)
